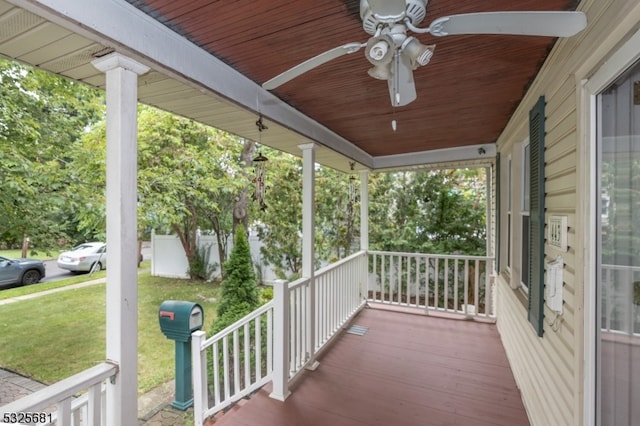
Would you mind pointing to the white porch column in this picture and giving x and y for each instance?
(308, 208)
(364, 210)
(308, 240)
(122, 274)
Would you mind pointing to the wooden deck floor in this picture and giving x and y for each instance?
(406, 370)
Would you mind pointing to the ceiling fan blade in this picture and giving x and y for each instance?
(309, 64)
(402, 88)
(552, 24)
(388, 10)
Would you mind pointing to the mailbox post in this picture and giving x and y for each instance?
(178, 320)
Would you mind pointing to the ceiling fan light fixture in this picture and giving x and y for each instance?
(380, 71)
(419, 53)
(379, 50)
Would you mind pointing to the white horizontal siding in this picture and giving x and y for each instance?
(549, 370)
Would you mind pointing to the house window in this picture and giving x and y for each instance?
(524, 218)
(618, 252)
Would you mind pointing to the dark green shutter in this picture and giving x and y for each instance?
(536, 212)
(498, 214)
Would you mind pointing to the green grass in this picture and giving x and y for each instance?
(52, 337)
(32, 254)
(36, 288)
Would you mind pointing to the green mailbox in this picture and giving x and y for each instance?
(178, 319)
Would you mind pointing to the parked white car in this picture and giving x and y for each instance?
(84, 258)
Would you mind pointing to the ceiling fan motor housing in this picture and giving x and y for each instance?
(416, 11)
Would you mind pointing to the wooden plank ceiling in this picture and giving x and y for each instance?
(466, 94)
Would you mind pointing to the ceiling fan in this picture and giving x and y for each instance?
(394, 53)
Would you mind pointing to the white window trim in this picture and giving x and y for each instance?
(602, 77)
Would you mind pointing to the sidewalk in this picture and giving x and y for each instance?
(154, 407)
(53, 290)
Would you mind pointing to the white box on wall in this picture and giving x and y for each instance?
(558, 232)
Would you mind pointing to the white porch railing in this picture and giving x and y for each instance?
(277, 341)
(453, 284)
(338, 295)
(70, 409)
(232, 363)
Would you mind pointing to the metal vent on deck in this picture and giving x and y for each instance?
(358, 330)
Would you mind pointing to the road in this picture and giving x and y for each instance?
(54, 273)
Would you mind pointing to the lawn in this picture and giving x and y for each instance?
(9, 293)
(52, 337)
(32, 254)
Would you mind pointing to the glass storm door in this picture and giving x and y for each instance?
(618, 274)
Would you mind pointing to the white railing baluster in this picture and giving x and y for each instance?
(455, 285)
(93, 406)
(258, 349)
(374, 267)
(247, 356)
(63, 412)
(383, 277)
(236, 363)
(446, 284)
(466, 286)
(225, 364)
(476, 290)
(401, 279)
(270, 340)
(417, 280)
(300, 291)
(216, 372)
(436, 285)
(393, 279)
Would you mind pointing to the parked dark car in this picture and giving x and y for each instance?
(21, 271)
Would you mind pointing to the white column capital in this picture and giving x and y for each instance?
(117, 60)
(306, 146)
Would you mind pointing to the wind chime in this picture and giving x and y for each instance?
(260, 170)
(353, 188)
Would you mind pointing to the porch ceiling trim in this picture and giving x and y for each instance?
(121, 26)
(425, 158)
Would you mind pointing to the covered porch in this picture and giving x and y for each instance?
(293, 354)
(408, 368)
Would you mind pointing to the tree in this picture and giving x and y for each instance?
(429, 211)
(279, 226)
(337, 214)
(188, 179)
(42, 116)
(239, 290)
